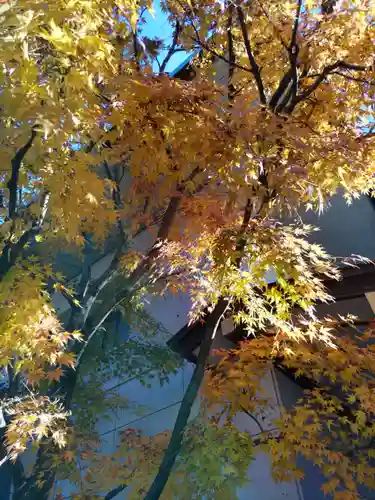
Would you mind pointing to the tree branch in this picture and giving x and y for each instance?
(354, 79)
(74, 322)
(166, 224)
(30, 489)
(261, 440)
(122, 296)
(12, 184)
(100, 284)
(250, 415)
(254, 66)
(232, 55)
(285, 95)
(294, 51)
(172, 48)
(170, 274)
(103, 280)
(293, 42)
(12, 251)
(327, 71)
(43, 209)
(276, 29)
(205, 46)
(111, 494)
(86, 272)
(170, 215)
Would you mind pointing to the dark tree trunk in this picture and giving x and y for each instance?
(190, 396)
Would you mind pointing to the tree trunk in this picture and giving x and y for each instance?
(190, 396)
(39, 484)
(6, 471)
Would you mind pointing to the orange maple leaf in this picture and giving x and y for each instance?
(67, 359)
(68, 455)
(55, 375)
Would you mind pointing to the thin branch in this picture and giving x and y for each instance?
(170, 274)
(158, 63)
(284, 97)
(167, 221)
(170, 215)
(101, 283)
(135, 39)
(135, 42)
(232, 55)
(135, 49)
(86, 272)
(91, 145)
(245, 223)
(12, 251)
(172, 48)
(286, 88)
(68, 297)
(263, 440)
(356, 449)
(250, 55)
(123, 296)
(353, 67)
(266, 14)
(369, 133)
(294, 54)
(250, 415)
(76, 301)
(44, 207)
(293, 42)
(144, 227)
(354, 79)
(96, 287)
(327, 71)
(205, 46)
(12, 184)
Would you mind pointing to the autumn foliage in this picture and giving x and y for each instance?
(100, 145)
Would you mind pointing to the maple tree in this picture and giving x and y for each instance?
(94, 143)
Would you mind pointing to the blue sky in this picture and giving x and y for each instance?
(157, 25)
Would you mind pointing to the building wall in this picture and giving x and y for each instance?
(345, 229)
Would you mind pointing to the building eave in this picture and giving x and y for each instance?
(355, 282)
